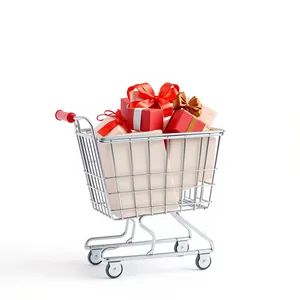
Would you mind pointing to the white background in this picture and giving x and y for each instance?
(240, 57)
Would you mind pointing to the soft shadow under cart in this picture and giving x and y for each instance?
(191, 187)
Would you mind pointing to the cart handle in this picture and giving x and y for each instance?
(65, 116)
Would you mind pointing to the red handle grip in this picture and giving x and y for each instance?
(65, 116)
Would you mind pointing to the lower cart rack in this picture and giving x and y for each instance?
(114, 267)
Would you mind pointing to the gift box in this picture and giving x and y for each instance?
(185, 116)
(136, 182)
(188, 156)
(143, 96)
(193, 164)
(207, 116)
(193, 106)
(114, 124)
(142, 119)
(183, 121)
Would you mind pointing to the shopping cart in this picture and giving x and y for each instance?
(191, 187)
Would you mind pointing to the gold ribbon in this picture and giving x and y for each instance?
(192, 125)
(193, 106)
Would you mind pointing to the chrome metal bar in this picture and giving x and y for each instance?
(117, 184)
(197, 231)
(214, 132)
(132, 179)
(156, 189)
(203, 174)
(149, 175)
(166, 141)
(130, 240)
(161, 173)
(178, 219)
(215, 166)
(198, 174)
(151, 252)
(182, 174)
(158, 255)
(109, 237)
(138, 243)
(186, 202)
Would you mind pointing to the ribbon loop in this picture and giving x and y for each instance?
(167, 94)
(193, 106)
(119, 120)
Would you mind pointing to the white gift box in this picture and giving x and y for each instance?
(194, 153)
(207, 116)
(136, 182)
(115, 131)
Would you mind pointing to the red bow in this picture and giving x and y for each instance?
(119, 120)
(163, 100)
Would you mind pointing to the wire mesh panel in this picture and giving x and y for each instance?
(149, 173)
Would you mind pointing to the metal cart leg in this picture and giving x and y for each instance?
(187, 224)
(143, 226)
(93, 239)
(95, 253)
(203, 260)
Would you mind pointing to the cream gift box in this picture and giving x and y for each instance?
(132, 190)
(207, 116)
(118, 130)
(194, 152)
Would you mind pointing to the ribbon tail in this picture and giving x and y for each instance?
(128, 130)
(107, 128)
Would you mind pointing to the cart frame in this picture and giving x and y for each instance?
(191, 198)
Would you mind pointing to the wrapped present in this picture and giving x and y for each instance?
(185, 117)
(207, 116)
(114, 124)
(142, 119)
(196, 151)
(136, 183)
(143, 96)
(192, 155)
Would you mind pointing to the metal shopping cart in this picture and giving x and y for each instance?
(182, 180)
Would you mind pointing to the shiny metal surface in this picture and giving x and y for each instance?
(194, 197)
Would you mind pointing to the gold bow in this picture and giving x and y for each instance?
(193, 106)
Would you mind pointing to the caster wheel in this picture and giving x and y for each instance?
(94, 258)
(181, 247)
(114, 270)
(203, 261)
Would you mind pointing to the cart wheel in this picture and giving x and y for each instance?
(94, 258)
(203, 261)
(114, 270)
(181, 247)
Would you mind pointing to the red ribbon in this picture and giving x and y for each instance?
(119, 120)
(163, 100)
